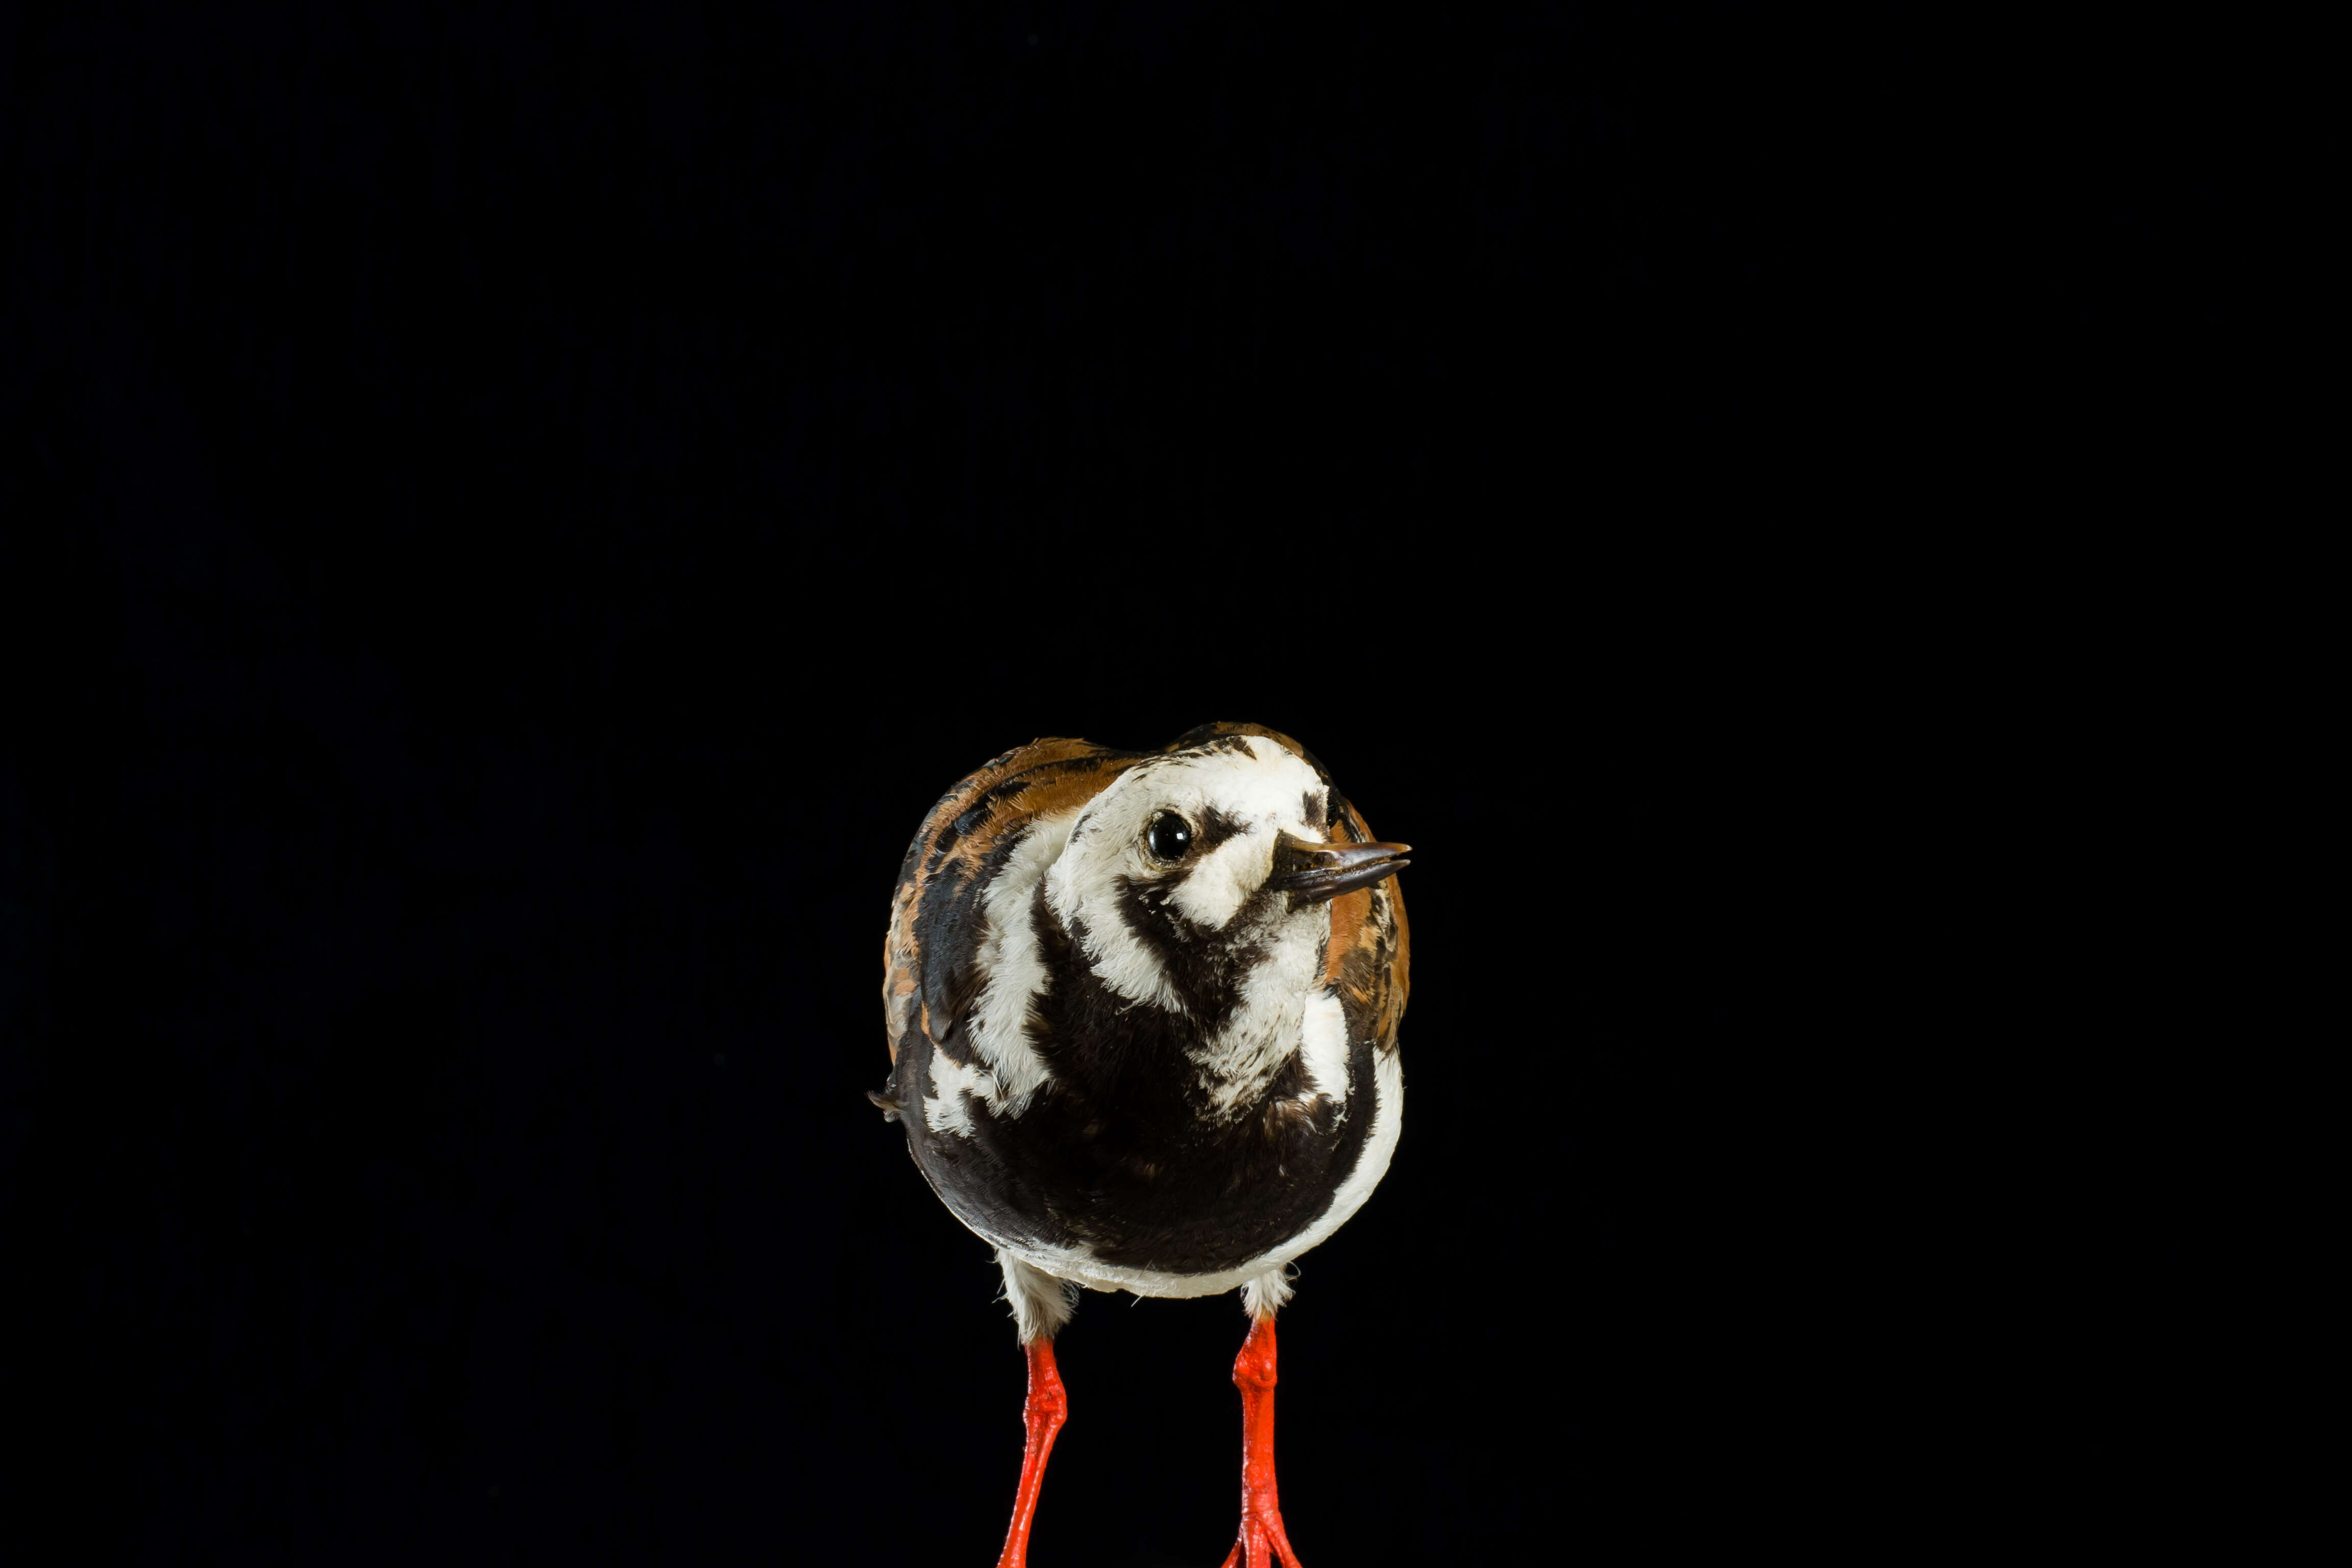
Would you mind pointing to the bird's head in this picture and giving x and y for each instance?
(1208, 871)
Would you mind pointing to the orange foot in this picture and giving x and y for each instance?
(1041, 1415)
(1260, 1532)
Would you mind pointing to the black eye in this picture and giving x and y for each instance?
(1169, 836)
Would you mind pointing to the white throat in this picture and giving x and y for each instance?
(1268, 1024)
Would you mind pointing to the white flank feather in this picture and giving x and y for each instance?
(1015, 970)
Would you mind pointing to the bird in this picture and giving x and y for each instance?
(1142, 1011)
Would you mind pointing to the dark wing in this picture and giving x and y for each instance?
(1370, 955)
(929, 970)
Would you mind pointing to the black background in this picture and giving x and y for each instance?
(546, 499)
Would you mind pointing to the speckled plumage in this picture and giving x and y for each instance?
(1112, 1159)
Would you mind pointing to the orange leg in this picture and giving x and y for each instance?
(1261, 1502)
(1042, 1414)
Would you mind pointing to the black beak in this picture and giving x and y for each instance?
(1311, 872)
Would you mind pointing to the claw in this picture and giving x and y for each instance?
(1257, 1539)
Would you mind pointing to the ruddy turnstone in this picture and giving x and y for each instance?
(1143, 1010)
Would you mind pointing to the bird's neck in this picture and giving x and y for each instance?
(1241, 1060)
(1233, 1042)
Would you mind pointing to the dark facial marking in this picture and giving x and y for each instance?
(1340, 817)
(1205, 968)
(1215, 827)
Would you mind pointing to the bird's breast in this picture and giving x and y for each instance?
(1149, 1143)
